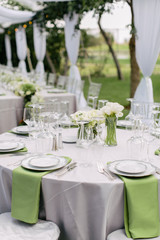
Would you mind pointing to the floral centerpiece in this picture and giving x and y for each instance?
(86, 120)
(111, 112)
(22, 86)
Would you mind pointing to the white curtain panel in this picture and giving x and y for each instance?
(147, 23)
(8, 50)
(72, 41)
(40, 47)
(21, 44)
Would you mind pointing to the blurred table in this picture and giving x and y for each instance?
(11, 110)
(11, 107)
(70, 97)
(85, 204)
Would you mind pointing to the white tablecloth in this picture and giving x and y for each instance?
(11, 107)
(11, 111)
(85, 204)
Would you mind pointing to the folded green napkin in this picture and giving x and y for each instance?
(23, 134)
(141, 209)
(16, 151)
(26, 193)
(157, 152)
(2, 94)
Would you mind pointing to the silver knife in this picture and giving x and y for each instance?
(66, 169)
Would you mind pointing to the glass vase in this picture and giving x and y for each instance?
(85, 134)
(111, 139)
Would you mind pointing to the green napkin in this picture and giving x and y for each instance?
(26, 193)
(157, 152)
(2, 94)
(16, 151)
(141, 209)
(23, 134)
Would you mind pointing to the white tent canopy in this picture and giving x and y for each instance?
(10, 16)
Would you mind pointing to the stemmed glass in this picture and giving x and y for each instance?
(99, 121)
(102, 103)
(81, 138)
(130, 116)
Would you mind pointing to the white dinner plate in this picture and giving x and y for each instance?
(44, 161)
(26, 164)
(20, 145)
(56, 90)
(130, 167)
(7, 145)
(149, 169)
(21, 130)
(70, 139)
(124, 123)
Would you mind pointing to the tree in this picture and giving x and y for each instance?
(135, 72)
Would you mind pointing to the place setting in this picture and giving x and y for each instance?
(11, 147)
(131, 168)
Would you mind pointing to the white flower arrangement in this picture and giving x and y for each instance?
(112, 109)
(87, 116)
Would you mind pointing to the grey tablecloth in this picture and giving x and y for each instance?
(83, 203)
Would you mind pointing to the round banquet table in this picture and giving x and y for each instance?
(85, 204)
(11, 107)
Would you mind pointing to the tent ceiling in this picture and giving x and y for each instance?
(10, 16)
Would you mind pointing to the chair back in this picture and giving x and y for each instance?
(52, 79)
(62, 82)
(93, 94)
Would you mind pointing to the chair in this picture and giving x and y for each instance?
(52, 79)
(93, 93)
(62, 82)
(120, 235)
(12, 229)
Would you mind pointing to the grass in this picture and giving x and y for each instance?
(100, 66)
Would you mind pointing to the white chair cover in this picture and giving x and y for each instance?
(21, 44)
(120, 235)
(72, 41)
(40, 47)
(12, 229)
(147, 18)
(8, 50)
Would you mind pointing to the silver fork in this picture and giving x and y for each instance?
(102, 170)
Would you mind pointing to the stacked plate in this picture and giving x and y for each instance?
(22, 130)
(56, 90)
(124, 124)
(131, 168)
(7, 146)
(44, 162)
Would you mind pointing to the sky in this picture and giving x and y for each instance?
(116, 22)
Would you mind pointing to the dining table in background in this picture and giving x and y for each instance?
(11, 106)
(83, 203)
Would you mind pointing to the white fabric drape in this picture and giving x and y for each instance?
(72, 41)
(40, 47)
(10, 16)
(21, 44)
(8, 50)
(147, 23)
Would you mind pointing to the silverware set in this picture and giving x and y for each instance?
(104, 171)
(66, 169)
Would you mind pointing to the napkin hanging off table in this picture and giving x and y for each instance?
(26, 186)
(141, 209)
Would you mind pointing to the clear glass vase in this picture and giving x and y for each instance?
(111, 139)
(85, 135)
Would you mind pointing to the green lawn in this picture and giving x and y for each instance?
(100, 66)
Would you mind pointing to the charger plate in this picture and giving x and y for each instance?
(148, 171)
(26, 163)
